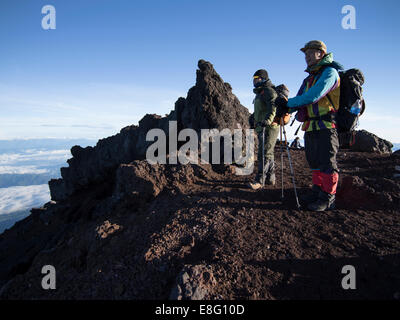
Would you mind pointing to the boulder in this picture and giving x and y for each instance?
(368, 142)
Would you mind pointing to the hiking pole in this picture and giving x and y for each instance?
(291, 169)
(263, 158)
(280, 145)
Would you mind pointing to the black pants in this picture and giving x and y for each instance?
(321, 147)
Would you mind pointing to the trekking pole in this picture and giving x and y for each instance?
(280, 144)
(263, 158)
(291, 169)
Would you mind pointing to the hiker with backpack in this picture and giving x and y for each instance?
(316, 104)
(267, 131)
(266, 109)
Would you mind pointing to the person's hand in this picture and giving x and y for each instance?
(281, 103)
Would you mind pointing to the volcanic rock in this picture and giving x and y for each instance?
(209, 104)
(368, 142)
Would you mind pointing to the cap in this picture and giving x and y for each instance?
(261, 73)
(315, 44)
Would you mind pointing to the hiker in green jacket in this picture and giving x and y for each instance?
(264, 115)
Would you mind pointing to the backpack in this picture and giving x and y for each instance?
(351, 103)
(282, 115)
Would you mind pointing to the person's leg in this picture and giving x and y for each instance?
(311, 148)
(271, 135)
(257, 183)
(329, 177)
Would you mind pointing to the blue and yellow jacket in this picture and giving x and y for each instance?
(312, 100)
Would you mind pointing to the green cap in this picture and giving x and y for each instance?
(315, 44)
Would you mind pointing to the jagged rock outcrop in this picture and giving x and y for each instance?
(209, 104)
(368, 142)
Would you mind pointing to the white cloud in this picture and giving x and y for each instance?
(21, 198)
(21, 170)
(12, 159)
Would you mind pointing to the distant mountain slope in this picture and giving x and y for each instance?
(11, 180)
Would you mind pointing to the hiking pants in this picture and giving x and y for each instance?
(321, 147)
(271, 134)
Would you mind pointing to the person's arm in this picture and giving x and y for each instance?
(327, 82)
(269, 97)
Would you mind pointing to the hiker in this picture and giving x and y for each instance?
(316, 103)
(264, 115)
(296, 143)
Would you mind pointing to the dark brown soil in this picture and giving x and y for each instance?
(252, 244)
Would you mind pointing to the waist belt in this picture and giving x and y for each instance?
(326, 117)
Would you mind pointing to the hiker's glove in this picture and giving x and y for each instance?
(282, 106)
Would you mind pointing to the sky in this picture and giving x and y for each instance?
(109, 62)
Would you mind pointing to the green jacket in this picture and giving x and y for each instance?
(264, 105)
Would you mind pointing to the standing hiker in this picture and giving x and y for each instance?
(316, 103)
(264, 115)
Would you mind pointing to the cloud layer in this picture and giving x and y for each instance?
(20, 198)
(33, 156)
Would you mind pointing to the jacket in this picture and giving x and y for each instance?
(312, 100)
(264, 105)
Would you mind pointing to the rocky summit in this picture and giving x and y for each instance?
(118, 227)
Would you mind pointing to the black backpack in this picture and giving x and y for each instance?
(351, 82)
(282, 115)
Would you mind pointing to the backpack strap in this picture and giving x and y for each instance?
(330, 100)
(326, 117)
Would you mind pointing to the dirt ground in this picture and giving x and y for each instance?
(248, 244)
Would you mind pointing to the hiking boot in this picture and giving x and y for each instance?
(311, 196)
(255, 185)
(324, 202)
(270, 173)
(270, 179)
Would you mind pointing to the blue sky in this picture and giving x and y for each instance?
(109, 62)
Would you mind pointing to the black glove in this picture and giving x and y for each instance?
(282, 107)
